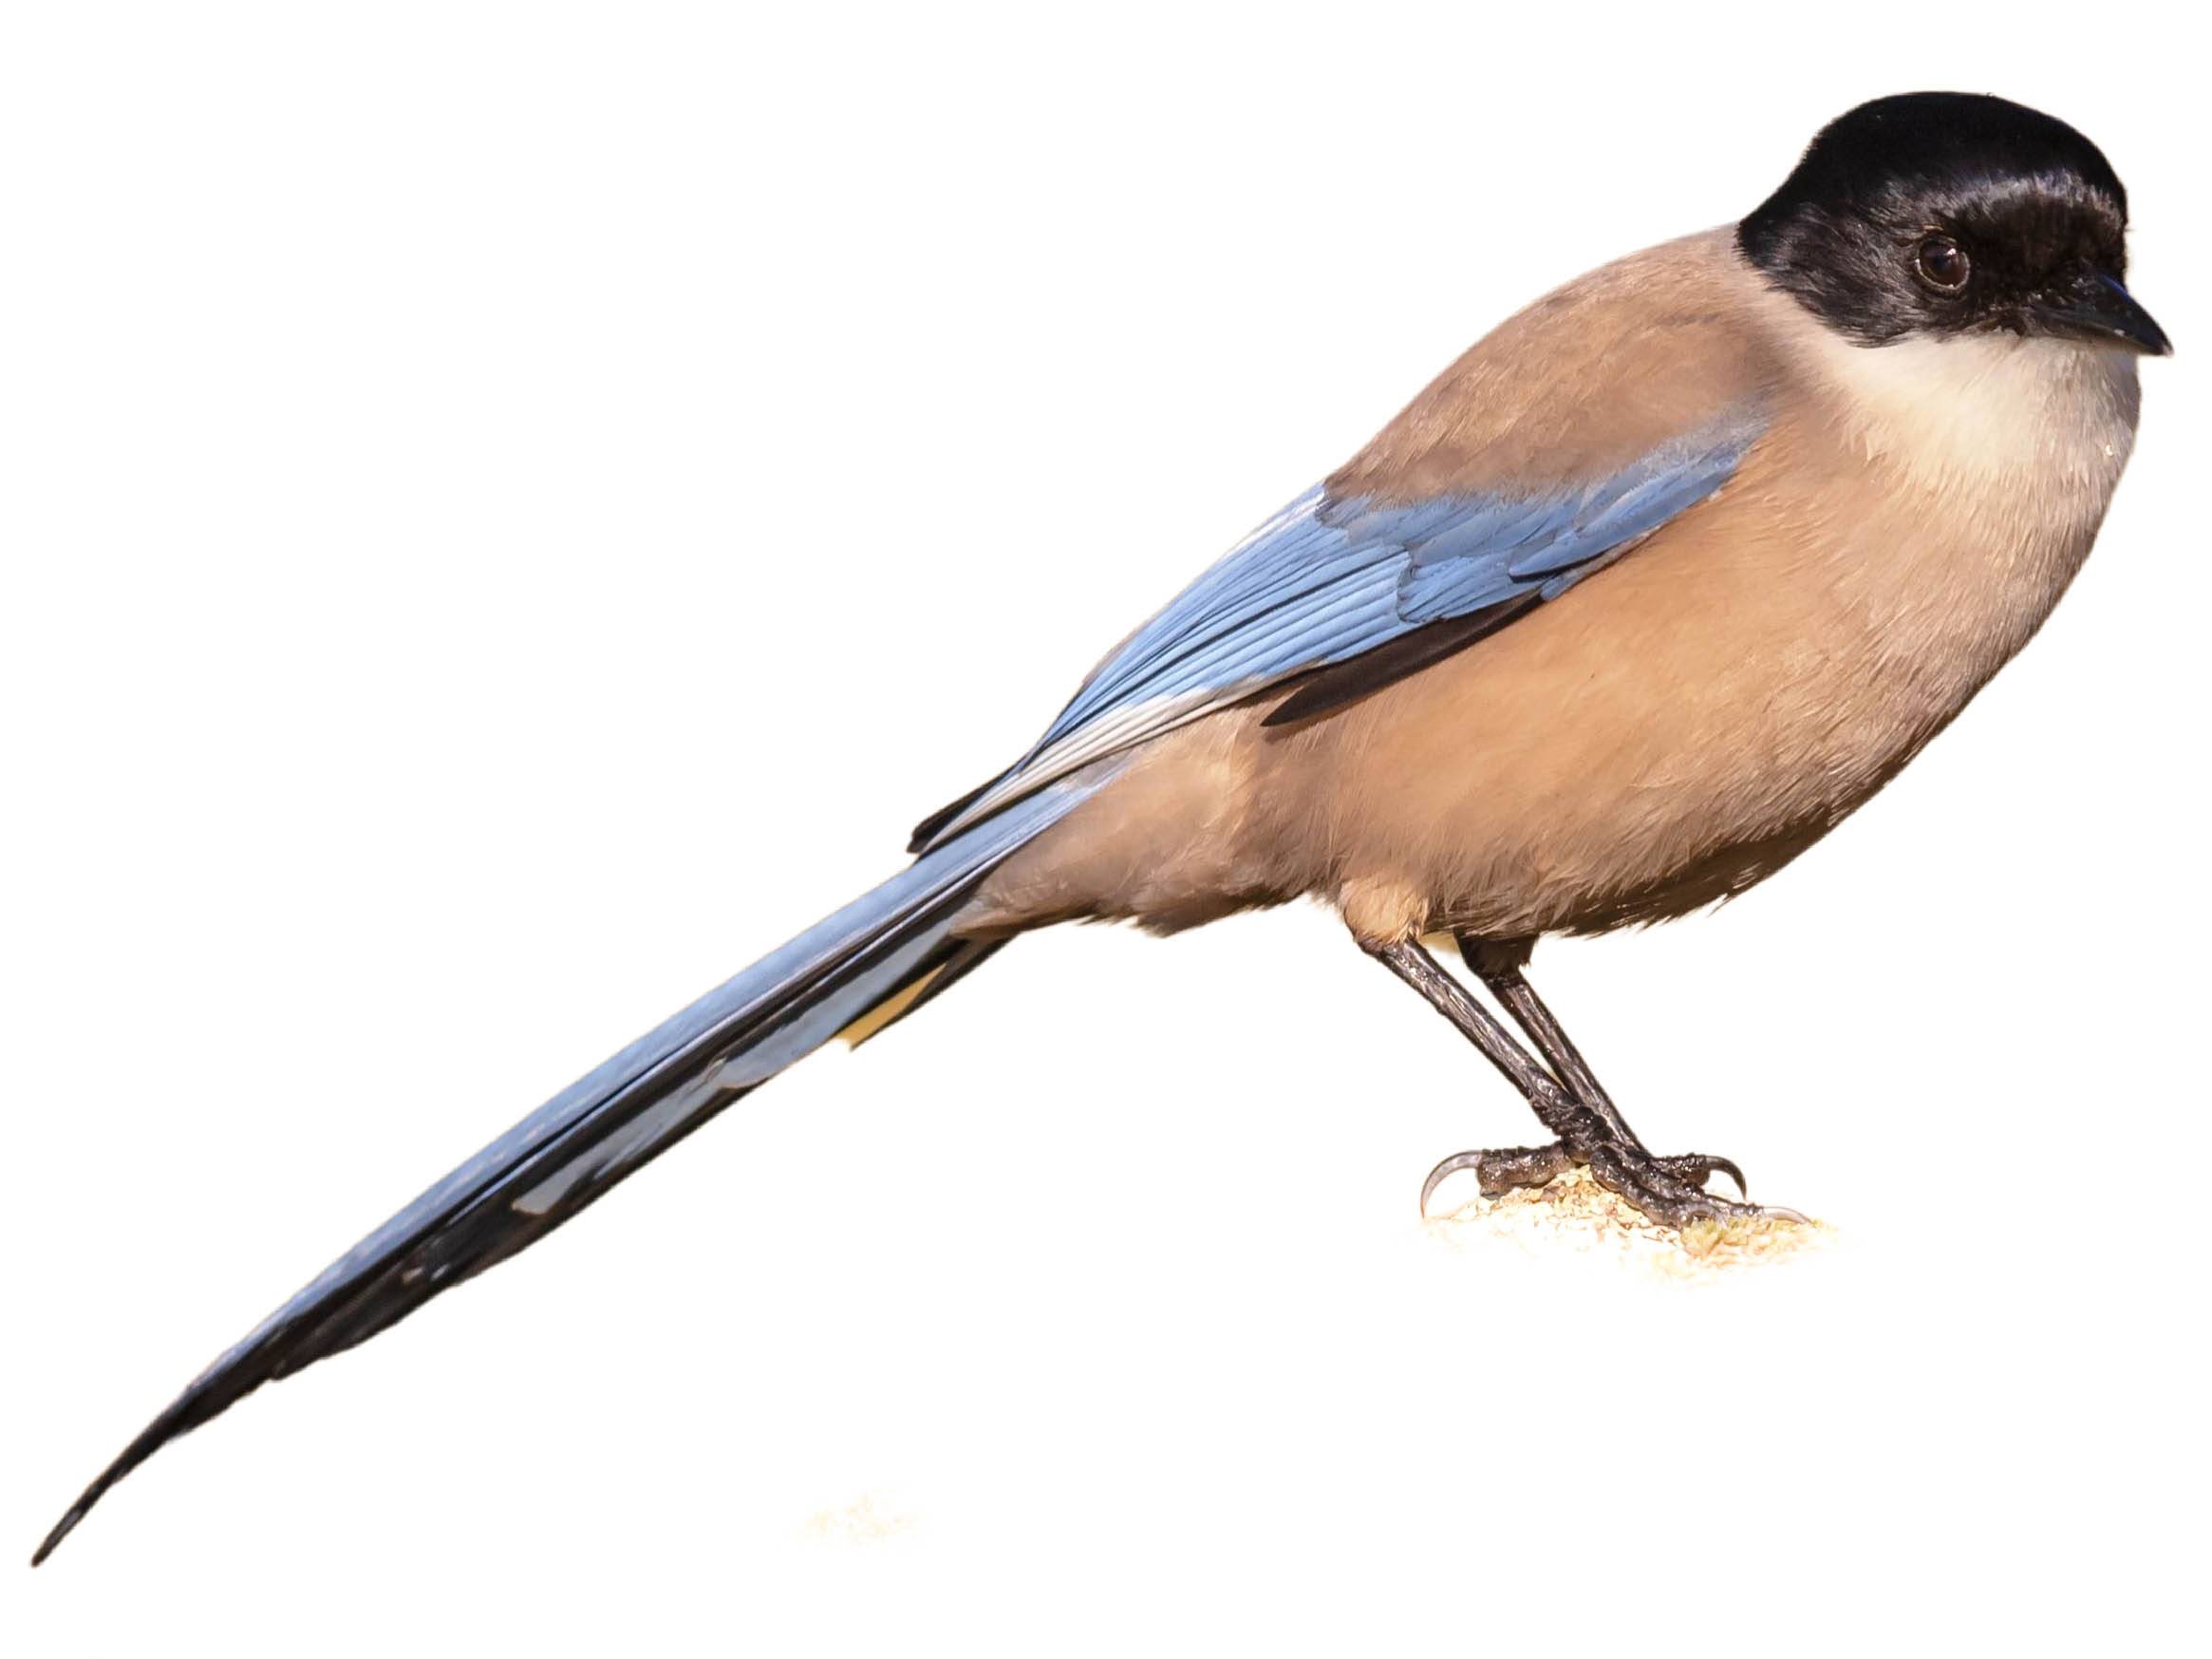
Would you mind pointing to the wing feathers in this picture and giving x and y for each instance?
(1330, 579)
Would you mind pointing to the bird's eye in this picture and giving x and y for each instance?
(1942, 263)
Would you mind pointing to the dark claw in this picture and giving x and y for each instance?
(1691, 1168)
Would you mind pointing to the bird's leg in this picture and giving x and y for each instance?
(1667, 1190)
(1498, 964)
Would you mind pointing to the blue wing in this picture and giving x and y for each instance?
(1330, 579)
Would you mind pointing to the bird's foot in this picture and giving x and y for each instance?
(1670, 1191)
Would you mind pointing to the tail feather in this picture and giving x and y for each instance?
(618, 1118)
(954, 962)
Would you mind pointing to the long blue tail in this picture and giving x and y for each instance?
(614, 1120)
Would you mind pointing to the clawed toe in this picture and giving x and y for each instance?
(1670, 1191)
(1502, 1169)
(1691, 1168)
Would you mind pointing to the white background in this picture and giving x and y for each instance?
(510, 512)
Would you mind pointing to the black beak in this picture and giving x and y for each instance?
(2092, 305)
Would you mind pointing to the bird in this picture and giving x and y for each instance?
(1634, 603)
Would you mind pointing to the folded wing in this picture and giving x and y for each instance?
(1334, 578)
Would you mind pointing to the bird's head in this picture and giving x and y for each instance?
(1947, 214)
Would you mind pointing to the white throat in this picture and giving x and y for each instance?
(2049, 420)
